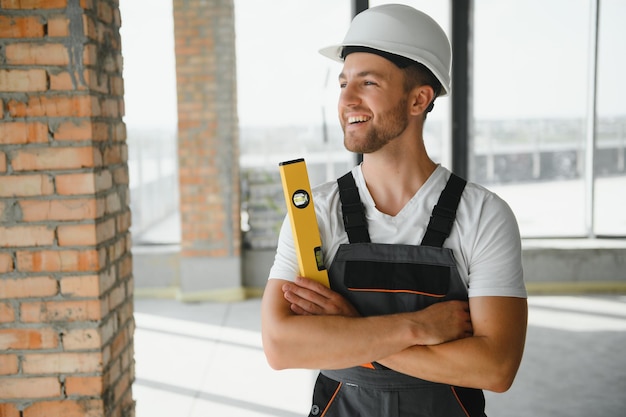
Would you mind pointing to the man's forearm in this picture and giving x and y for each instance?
(331, 342)
(464, 362)
(488, 360)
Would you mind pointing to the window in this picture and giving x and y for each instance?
(531, 113)
(610, 154)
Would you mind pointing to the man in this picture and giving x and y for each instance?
(407, 244)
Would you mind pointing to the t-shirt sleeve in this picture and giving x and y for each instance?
(285, 262)
(495, 267)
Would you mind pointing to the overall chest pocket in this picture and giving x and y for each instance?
(378, 287)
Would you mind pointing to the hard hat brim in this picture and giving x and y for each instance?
(334, 52)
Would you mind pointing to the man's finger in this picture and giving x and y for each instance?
(313, 286)
(305, 293)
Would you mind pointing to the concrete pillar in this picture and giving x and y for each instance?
(210, 263)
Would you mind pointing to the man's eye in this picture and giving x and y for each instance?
(369, 83)
(342, 85)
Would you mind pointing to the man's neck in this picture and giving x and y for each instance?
(393, 179)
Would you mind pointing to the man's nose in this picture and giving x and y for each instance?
(349, 95)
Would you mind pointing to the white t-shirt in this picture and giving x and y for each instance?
(485, 238)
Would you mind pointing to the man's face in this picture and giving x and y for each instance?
(373, 106)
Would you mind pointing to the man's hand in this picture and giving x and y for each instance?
(310, 298)
(443, 322)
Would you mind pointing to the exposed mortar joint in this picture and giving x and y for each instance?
(12, 212)
(75, 42)
(19, 97)
(108, 398)
(50, 134)
(62, 381)
(58, 293)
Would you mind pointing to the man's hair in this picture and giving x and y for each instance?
(415, 74)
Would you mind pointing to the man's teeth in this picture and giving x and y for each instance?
(358, 119)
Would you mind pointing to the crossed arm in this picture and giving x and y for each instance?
(479, 345)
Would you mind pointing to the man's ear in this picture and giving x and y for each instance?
(421, 97)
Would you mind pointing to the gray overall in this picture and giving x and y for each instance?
(392, 278)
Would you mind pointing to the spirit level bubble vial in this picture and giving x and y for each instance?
(299, 199)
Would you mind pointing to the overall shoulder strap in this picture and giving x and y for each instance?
(444, 212)
(352, 210)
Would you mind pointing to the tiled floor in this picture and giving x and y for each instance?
(206, 359)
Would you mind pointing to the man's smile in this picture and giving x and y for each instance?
(358, 119)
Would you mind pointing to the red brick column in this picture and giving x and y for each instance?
(66, 325)
(210, 265)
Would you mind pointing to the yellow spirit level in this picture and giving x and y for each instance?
(306, 235)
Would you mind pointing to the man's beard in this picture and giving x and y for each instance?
(393, 123)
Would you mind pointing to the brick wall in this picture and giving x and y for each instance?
(208, 145)
(66, 325)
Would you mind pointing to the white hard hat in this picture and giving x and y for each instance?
(401, 30)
